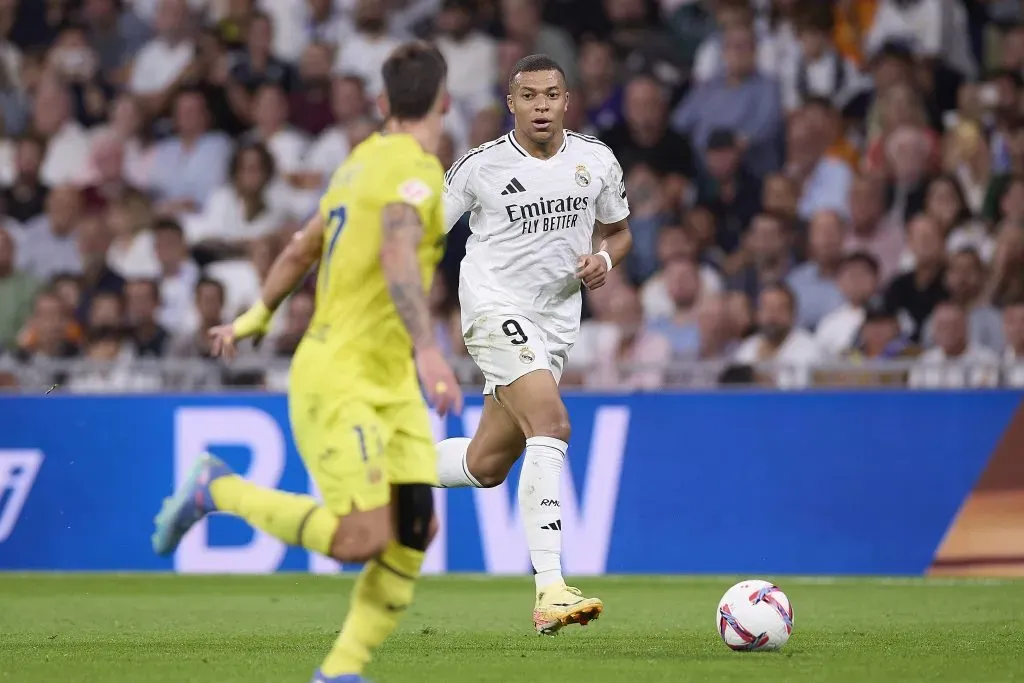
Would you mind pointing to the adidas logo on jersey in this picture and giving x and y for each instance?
(513, 187)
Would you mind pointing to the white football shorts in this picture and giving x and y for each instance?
(506, 347)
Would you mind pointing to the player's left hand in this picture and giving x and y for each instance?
(222, 341)
(592, 270)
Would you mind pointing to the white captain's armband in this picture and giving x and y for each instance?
(414, 191)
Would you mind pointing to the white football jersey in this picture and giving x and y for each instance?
(531, 219)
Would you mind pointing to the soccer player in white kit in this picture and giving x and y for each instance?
(536, 196)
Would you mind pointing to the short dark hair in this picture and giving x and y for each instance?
(532, 64)
(150, 283)
(207, 281)
(413, 75)
(863, 258)
(973, 255)
(785, 290)
(168, 225)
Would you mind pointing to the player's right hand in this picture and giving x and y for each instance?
(222, 341)
(439, 383)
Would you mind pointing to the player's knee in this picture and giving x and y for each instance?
(415, 518)
(360, 541)
(555, 426)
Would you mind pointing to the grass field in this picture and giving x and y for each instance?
(165, 629)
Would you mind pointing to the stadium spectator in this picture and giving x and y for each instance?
(916, 293)
(363, 53)
(472, 56)
(75, 64)
(790, 349)
(858, 280)
(67, 143)
(94, 239)
(24, 194)
(682, 284)
(287, 145)
(907, 153)
(1007, 279)
(817, 69)
(17, 291)
(644, 138)
(249, 206)
(649, 212)
(815, 282)
(322, 23)
(142, 302)
(348, 106)
(193, 163)
(106, 182)
(297, 314)
(965, 282)
(937, 30)
(824, 182)
(897, 106)
(780, 195)
(771, 258)
(210, 74)
(255, 66)
(740, 311)
(242, 277)
(871, 230)
(968, 159)
(674, 243)
(599, 85)
(163, 61)
(944, 202)
(115, 35)
(105, 310)
(127, 123)
(709, 61)
(131, 253)
(48, 244)
(1014, 143)
(178, 276)
(716, 339)
(728, 189)
(626, 354)
(1013, 356)
(49, 334)
(207, 312)
(309, 103)
(523, 23)
(109, 367)
(741, 100)
(955, 362)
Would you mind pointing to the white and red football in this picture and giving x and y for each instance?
(754, 615)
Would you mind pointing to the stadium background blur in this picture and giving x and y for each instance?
(156, 154)
(869, 154)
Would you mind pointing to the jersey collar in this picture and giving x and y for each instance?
(519, 148)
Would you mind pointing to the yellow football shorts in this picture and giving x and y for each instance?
(355, 451)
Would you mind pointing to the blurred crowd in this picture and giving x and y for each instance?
(815, 185)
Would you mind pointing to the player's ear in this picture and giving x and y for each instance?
(508, 101)
(383, 105)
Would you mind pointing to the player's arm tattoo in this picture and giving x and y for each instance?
(401, 232)
(292, 264)
(616, 239)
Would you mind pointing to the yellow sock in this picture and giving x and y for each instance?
(382, 593)
(296, 520)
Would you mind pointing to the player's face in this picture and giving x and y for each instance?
(538, 101)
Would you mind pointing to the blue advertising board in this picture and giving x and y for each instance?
(771, 483)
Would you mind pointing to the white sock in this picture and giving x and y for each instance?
(452, 471)
(539, 487)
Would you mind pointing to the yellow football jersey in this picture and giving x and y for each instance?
(356, 338)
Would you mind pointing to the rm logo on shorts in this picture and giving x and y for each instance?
(526, 355)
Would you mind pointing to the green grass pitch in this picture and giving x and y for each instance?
(275, 629)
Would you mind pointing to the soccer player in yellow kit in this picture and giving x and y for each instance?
(357, 411)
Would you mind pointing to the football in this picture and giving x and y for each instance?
(754, 615)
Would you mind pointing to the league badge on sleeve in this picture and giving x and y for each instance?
(414, 191)
(582, 175)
